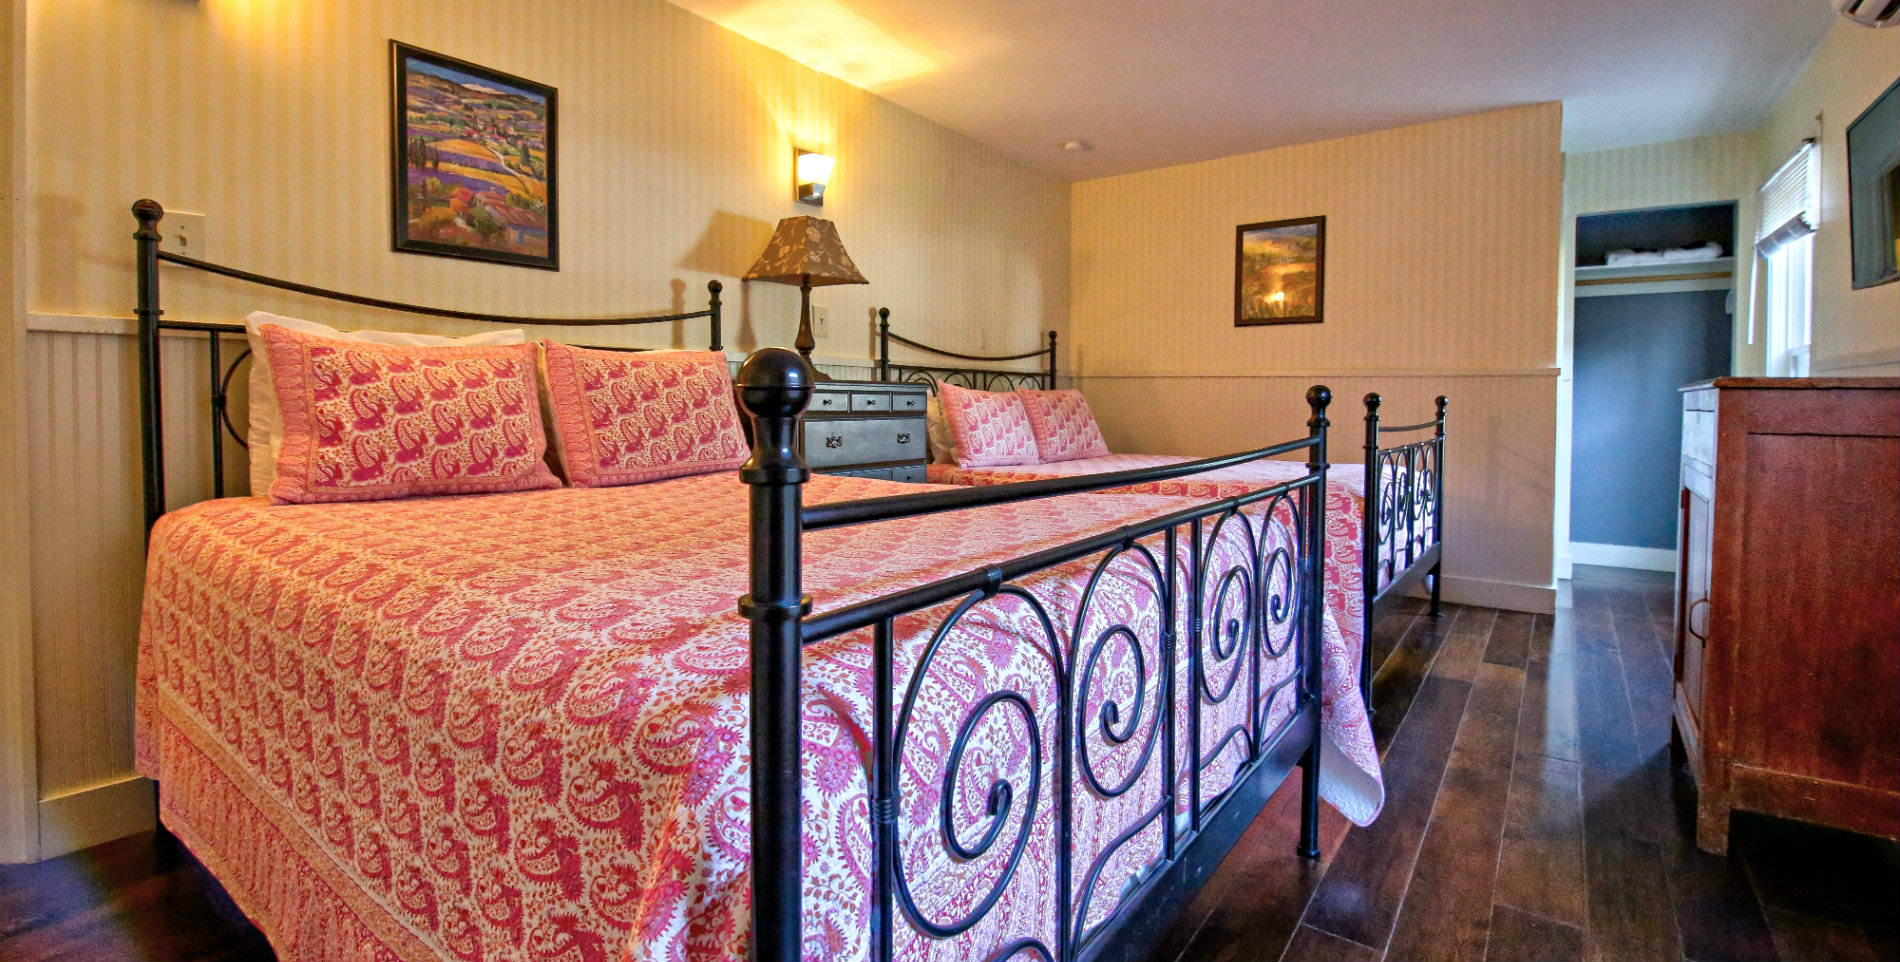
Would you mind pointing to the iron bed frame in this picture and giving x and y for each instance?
(1404, 482)
(152, 323)
(1266, 607)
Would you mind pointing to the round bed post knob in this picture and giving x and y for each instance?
(775, 385)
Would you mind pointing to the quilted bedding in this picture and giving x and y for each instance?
(513, 726)
(1345, 511)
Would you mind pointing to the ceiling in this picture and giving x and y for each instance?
(1149, 83)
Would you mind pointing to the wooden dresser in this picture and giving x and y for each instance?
(869, 429)
(1788, 602)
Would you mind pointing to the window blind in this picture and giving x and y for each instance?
(1788, 202)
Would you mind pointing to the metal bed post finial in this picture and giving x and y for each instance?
(883, 343)
(1318, 398)
(1369, 547)
(775, 385)
(713, 287)
(149, 213)
(1052, 360)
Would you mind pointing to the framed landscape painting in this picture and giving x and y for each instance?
(1280, 272)
(474, 162)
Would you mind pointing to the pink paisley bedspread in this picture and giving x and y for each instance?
(514, 726)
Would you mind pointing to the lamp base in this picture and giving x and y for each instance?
(816, 374)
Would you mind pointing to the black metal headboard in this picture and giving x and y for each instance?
(151, 322)
(978, 378)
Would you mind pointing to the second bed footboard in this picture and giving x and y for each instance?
(1160, 679)
(1404, 518)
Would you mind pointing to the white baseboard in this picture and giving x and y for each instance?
(1622, 556)
(1566, 566)
(1509, 595)
(98, 813)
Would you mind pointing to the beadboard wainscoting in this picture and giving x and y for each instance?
(87, 555)
(676, 141)
(1442, 245)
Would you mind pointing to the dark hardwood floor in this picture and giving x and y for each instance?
(1532, 813)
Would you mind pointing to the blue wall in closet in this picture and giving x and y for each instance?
(1632, 353)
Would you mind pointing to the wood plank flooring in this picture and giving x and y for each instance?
(1532, 813)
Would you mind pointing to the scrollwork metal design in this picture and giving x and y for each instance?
(1000, 797)
(976, 379)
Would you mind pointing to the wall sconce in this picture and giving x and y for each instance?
(813, 172)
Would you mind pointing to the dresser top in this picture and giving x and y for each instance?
(1848, 383)
(838, 385)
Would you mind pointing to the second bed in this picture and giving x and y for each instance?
(1383, 539)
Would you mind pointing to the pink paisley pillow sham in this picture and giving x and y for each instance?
(364, 422)
(623, 417)
(990, 428)
(1064, 427)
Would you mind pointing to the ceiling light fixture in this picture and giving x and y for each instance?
(1076, 146)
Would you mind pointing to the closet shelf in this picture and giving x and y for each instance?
(1717, 269)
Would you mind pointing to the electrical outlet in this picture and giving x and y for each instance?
(184, 233)
(820, 321)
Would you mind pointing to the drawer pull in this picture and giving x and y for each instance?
(903, 438)
(1688, 621)
(834, 440)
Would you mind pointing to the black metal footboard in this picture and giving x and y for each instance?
(1100, 718)
(1404, 521)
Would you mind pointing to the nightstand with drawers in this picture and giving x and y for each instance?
(867, 429)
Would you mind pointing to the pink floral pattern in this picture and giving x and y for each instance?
(365, 422)
(1345, 511)
(402, 731)
(630, 417)
(1064, 427)
(988, 427)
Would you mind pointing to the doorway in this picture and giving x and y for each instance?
(1654, 310)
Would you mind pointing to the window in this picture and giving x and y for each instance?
(1785, 243)
(1789, 313)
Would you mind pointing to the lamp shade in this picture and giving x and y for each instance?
(805, 249)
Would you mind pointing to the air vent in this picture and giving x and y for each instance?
(1870, 13)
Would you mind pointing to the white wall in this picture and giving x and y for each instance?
(1856, 333)
(19, 810)
(1440, 241)
(1696, 171)
(675, 141)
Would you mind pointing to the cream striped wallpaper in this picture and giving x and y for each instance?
(1856, 333)
(1696, 171)
(270, 117)
(1441, 245)
(1723, 167)
(1440, 238)
(19, 793)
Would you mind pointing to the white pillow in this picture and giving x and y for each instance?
(265, 434)
(937, 433)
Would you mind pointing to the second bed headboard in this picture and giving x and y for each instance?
(977, 378)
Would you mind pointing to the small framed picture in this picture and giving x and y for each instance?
(473, 158)
(1280, 272)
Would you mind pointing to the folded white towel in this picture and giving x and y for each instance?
(1675, 255)
(1706, 252)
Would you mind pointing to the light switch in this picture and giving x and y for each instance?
(820, 321)
(184, 234)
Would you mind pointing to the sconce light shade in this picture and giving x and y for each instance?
(813, 173)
